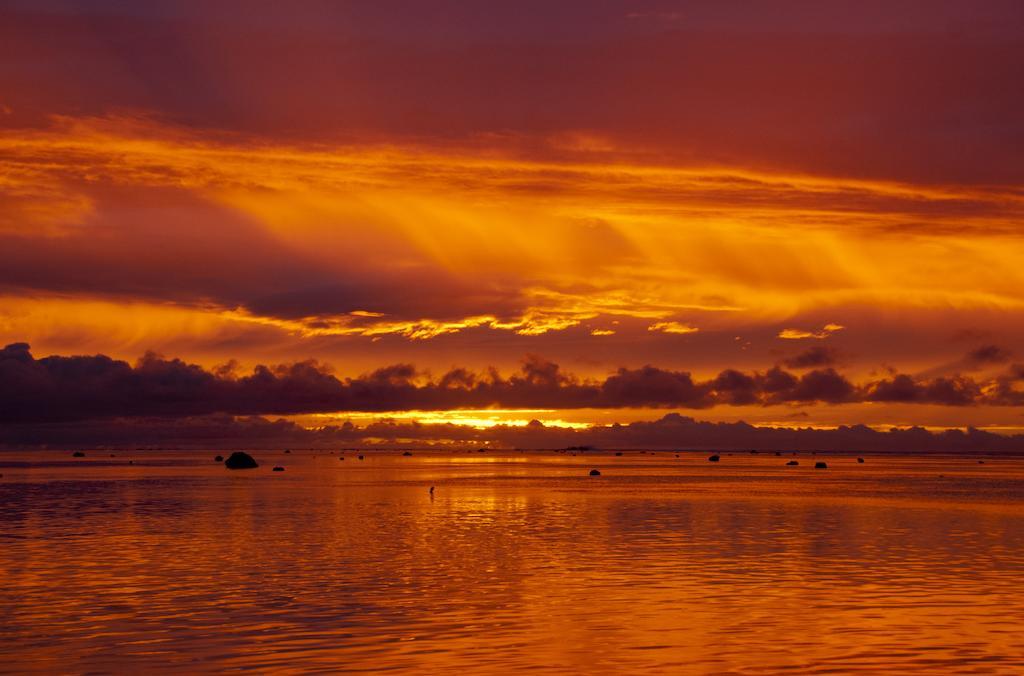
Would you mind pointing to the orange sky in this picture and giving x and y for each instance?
(682, 185)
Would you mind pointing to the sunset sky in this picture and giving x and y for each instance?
(789, 213)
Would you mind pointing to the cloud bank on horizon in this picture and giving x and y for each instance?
(36, 394)
(720, 206)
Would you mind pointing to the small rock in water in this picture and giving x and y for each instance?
(618, 453)
(792, 462)
(407, 453)
(360, 457)
(287, 450)
(714, 458)
(820, 465)
(219, 458)
(860, 460)
(278, 469)
(981, 462)
(240, 460)
(78, 454)
(595, 472)
(341, 457)
(777, 454)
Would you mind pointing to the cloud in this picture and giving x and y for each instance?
(682, 87)
(57, 388)
(980, 358)
(988, 354)
(948, 391)
(673, 327)
(819, 355)
(798, 334)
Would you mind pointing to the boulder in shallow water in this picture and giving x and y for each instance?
(714, 458)
(278, 469)
(219, 458)
(860, 460)
(287, 450)
(618, 453)
(360, 457)
(595, 472)
(78, 454)
(791, 463)
(240, 460)
(407, 453)
(820, 465)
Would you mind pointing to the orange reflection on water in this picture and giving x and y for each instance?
(518, 561)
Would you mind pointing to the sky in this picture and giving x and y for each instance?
(799, 214)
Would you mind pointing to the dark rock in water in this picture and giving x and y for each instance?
(407, 453)
(278, 469)
(981, 462)
(714, 458)
(131, 462)
(360, 457)
(240, 460)
(595, 472)
(112, 455)
(78, 454)
(287, 450)
(341, 457)
(618, 453)
(219, 458)
(820, 465)
(777, 454)
(861, 460)
(792, 463)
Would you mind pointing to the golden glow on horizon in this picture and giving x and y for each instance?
(475, 418)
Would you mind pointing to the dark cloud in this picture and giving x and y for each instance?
(978, 359)
(949, 391)
(988, 354)
(58, 388)
(813, 357)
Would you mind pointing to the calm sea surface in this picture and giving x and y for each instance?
(519, 561)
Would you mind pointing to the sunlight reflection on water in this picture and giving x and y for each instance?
(520, 561)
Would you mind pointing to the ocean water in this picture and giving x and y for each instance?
(517, 562)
